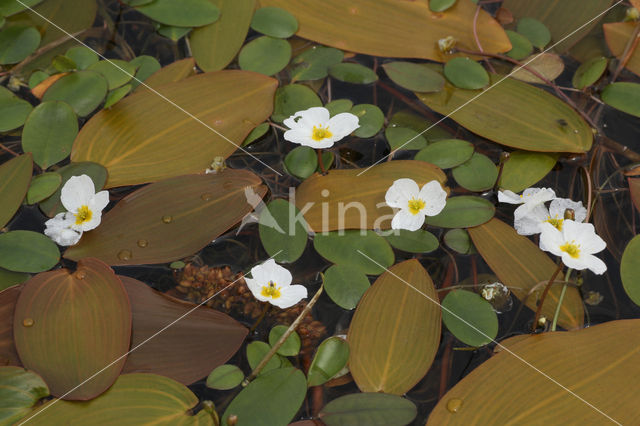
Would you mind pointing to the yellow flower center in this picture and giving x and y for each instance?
(270, 290)
(83, 215)
(572, 249)
(555, 222)
(320, 133)
(416, 205)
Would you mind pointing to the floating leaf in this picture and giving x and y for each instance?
(186, 13)
(331, 357)
(314, 63)
(521, 46)
(617, 35)
(589, 72)
(186, 351)
(11, 278)
(146, 398)
(115, 95)
(535, 31)
(116, 71)
(83, 90)
(372, 409)
(8, 299)
(469, 317)
(15, 176)
(419, 124)
(441, 5)
(412, 76)
(356, 202)
(136, 150)
(17, 42)
(301, 161)
(345, 250)
(256, 352)
(27, 251)
(283, 236)
(629, 272)
(43, 186)
(158, 228)
(173, 33)
(542, 123)
(177, 71)
(463, 211)
(292, 98)
(13, 110)
(145, 67)
(395, 331)
(340, 105)
(36, 78)
(49, 132)
(353, 73)
(446, 153)
(225, 377)
(215, 45)
(623, 96)
(63, 64)
(404, 138)
(478, 173)
(20, 390)
(273, 398)
(459, 240)
(521, 266)
(82, 56)
(419, 241)
(259, 131)
(291, 345)
(370, 119)
(395, 23)
(11, 7)
(500, 390)
(548, 65)
(466, 73)
(345, 284)
(266, 55)
(274, 22)
(524, 169)
(69, 326)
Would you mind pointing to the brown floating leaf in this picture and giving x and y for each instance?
(68, 326)
(15, 176)
(326, 200)
(395, 331)
(149, 226)
(617, 35)
(548, 65)
(145, 138)
(634, 189)
(176, 71)
(598, 364)
(187, 350)
(403, 29)
(42, 87)
(8, 299)
(523, 267)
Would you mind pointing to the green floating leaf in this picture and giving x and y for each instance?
(623, 96)
(345, 285)
(466, 73)
(20, 390)
(314, 63)
(225, 377)
(11, 278)
(185, 13)
(419, 124)
(521, 46)
(274, 22)
(116, 71)
(63, 64)
(36, 78)
(292, 98)
(15, 176)
(339, 105)
(478, 173)
(145, 66)
(440, 5)
(116, 95)
(13, 110)
(525, 168)
(463, 211)
(469, 317)
(83, 90)
(419, 241)
(271, 399)
(11, 7)
(372, 409)
(259, 131)
(630, 269)
(301, 162)
(43, 186)
(49, 132)
(290, 347)
(266, 55)
(535, 31)
(459, 240)
(415, 77)
(589, 72)
(446, 153)
(82, 56)
(370, 119)
(27, 251)
(173, 33)
(282, 235)
(355, 248)
(331, 357)
(256, 351)
(404, 138)
(17, 42)
(353, 73)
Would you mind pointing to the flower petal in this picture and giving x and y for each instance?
(76, 192)
(58, 229)
(301, 136)
(551, 239)
(434, 196)
(281, 276)
(256, 289)
(595, 264)
(343, 124)
(530, 223)
(99, 201)
(585, 235)
(400, 192)
(405, 220)
(559, 205)
(289, 296)
(509, 197)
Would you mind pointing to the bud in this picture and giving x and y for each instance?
(632, 14)
(232, 420)
(447, 44)
(570, 214)
(217, 165)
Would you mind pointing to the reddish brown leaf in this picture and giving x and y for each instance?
(8, 299)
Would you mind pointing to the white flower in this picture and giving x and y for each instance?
(59, 229)
(314, 128)
(414, 203)
(530, 199)
(79, 197)
(271, 283)
(530, 224)
(575, 243)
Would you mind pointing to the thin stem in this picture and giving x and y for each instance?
(320, 162)
(544, 296)
(562, 293)
(10, 151)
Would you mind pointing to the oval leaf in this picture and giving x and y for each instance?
(116, 71)
(301, 162)
(372, 409)
(314, 63)
(419, 241)
(274, 22)
(283, 232)
(293, 98)
(291, 345)
(266, 55)
(331, 357)
(466, 73)
(535, 31)
(13, 110)
(345, 285)
(446, 153)
(415, 77)
(478, 173)
(83, 90)
(524, 169)
(589, 72)
(463, 211)
(15, 176)
(353, 73)
(17, 42)
(186, 13)
(347, 248)
(20, 390)
(623, 96)
(43, 186)
(629, 272)
(370, 119)
(27, 251)
(469, 317)
(225, 377)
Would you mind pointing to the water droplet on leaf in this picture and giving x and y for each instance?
(80, 275)
(454, 405)
(143, 243)
(206, 196)
(124, 255)
(27, 322)
(167, 218)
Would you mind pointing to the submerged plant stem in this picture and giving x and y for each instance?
(560, 299)
(544, 296)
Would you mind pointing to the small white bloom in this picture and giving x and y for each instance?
(79, 197)
(314, 128)
(530, 199)
(575, 243)
(414, 203)
(271, 283)
(59, 229)
(530, 224)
